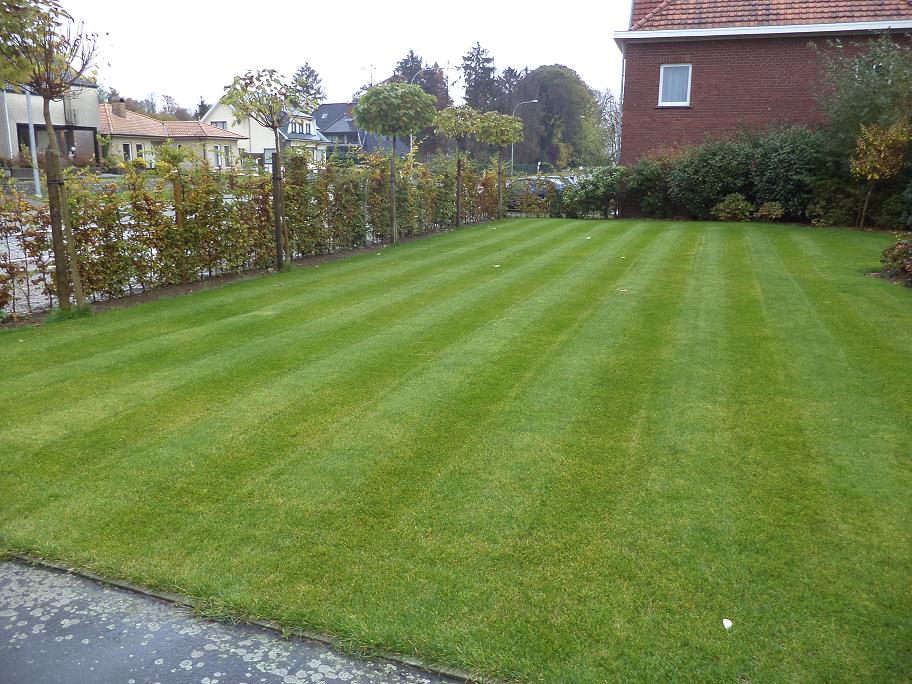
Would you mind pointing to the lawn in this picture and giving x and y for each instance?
(540, 450)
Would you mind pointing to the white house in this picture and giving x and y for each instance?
(300, 132)
(135, 136)
(75, 120)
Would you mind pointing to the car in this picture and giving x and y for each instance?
(535, 186)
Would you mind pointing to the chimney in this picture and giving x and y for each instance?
(119, 108)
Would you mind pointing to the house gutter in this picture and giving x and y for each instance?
(622, 37)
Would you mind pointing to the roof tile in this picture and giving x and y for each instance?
(142, 126)
(649, 15)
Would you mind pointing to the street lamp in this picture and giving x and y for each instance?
(512, 172)
(412, 80)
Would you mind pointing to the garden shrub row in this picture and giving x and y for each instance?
(794, 173)
(131, 235)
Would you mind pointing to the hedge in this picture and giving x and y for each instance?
(131, 235)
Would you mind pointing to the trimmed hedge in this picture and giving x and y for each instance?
(132, 235)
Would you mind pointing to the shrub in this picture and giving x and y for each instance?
(647, 186)
(786, 164)
(769, 211)
(703, 176)
(734, 207)
(835, 203)
(906, 219)
(897, 260)
(597, 193)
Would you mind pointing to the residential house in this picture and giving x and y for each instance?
(695, 69)
(300, 132)
(75, 120)
(135, 136)
(336, 122)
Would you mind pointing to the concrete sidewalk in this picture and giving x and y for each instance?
(57, 627)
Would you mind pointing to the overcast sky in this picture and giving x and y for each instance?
(191, 48)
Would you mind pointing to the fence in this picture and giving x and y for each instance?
(132, 235)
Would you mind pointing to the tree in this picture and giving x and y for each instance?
(871, 87)
(60, 55)
(501, 130)
(23, 21)
(458, 123)
(201, 108)
(481, 86)
(560, 129)
(394, 109)
(507, 82)
(308, 84)
(268, 99)
(608, 123)
(880, 154)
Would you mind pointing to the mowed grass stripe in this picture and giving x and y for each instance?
(272, 349)
(301, 285)
(237, 412)
(807, 482)
(525, 472)
(303, 293)
(405, 461)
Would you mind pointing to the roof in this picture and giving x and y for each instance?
(142, 126)
(652, 15)
(329, 113)
(311, 137)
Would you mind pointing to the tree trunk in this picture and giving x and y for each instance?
(458, 185)
(277, 210)
(394, 225)
(500, 211)
(286, 239)
(864, 208)
(70, 263)
(61, 270)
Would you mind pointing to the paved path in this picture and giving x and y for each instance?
(56, 627)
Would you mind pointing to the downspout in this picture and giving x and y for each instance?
(9, 132)
(620, 138)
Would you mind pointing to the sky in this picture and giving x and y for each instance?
(190, 48)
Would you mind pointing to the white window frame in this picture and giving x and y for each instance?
(217, 156)
(662, 84)
(127, 151)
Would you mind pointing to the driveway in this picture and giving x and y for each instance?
(57, 627)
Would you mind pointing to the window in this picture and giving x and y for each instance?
(674, 85)
(307, 129)
(221, 124)
(218, 156)
(126, 152)
(139, 150)
(227, 156)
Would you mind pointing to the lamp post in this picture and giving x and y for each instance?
(412, 80)
(518, 104)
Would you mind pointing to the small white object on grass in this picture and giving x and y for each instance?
(623, 257)
(496, 265)
(588, 238)
(726, 623)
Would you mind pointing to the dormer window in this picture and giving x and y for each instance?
(674, 85)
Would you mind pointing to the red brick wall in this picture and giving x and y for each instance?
(734, 83)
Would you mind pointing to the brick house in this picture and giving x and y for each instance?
(695, 69)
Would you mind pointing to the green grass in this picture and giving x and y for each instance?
(569, 468)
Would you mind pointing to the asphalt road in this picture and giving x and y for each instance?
(57, 627)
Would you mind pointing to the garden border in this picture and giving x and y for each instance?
(283, 633)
